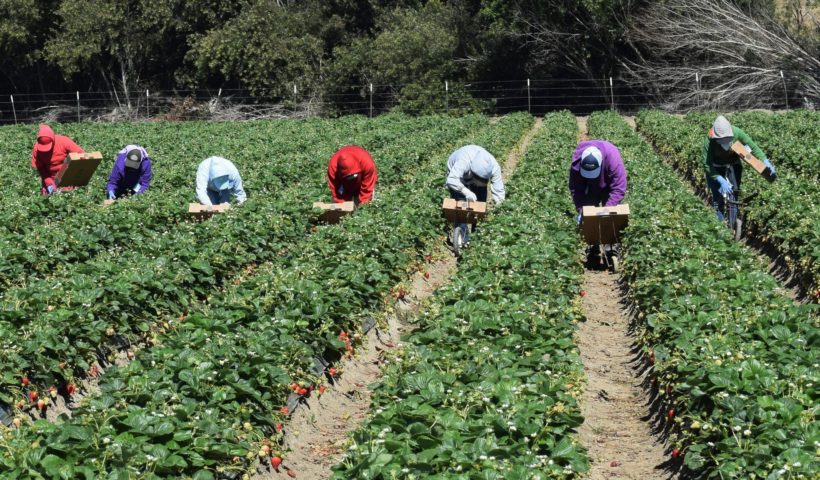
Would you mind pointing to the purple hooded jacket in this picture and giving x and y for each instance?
(123, 179)
(609, 188)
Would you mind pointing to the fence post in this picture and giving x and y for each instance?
(447, 96)
(697, 90)
(78, 105)
(371, 100)
(611, 93)
(147, 104)
(14, 110)
(785, 91)
(529, 98)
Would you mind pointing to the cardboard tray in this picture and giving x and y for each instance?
(603, 225)
(201, 212)
(460, 211)
(334, 212)
(78, 169)
(759, 167)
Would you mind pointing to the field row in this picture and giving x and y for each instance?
(207, 396)
(731, 358)
(488, 386)
(784, 214)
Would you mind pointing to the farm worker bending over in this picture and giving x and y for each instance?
(470, 170)
(49, 154)
(131, 174)
(351, 175)
(597, 176)
(216, 180)
(723, 166)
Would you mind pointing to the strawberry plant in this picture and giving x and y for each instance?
(487, 387)
(783, 215)
(735, 367)
(183, 406)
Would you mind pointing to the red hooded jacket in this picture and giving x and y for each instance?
(48, 158)
(348, 161)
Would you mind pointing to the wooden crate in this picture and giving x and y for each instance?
(78, 169)
(334, 212)
(461, 211)
(201, 212)
(758, 166)
(603, 225)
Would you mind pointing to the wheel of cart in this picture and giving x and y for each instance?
(601, 228)
(458, 213)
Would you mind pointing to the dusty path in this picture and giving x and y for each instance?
(620, 443)
(315, 434)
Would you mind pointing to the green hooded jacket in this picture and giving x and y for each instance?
(714, 154)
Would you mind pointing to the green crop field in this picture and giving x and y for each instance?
(160, 347)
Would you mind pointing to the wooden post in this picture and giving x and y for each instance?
(446, 96)
(371, 100)
(78, 105)
(14, 110)
(612, 93)
(785, 91)
(529, 98)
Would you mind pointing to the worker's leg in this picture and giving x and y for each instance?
(215, 197)
(465, 231)
(717, 197)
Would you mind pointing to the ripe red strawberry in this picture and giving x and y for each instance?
(294, 387)
(25, 381)
(400, 295)
(583, 293)
(302, 392)
(321, 389)
(291, 473)
(676, 454)
(427, 275)
(70, 389)
(332, 371)
(278, 427)
(33, 396)
(41, 404)
(670, 414)
(275, 462)
(652, 358)
(284, 410)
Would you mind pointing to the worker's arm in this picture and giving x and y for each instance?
(331, 178)
(617, 177)
(238, 189)
(69, 146)
(745, 139)
(456, 174)
(43, 169)
(708, 162)
(369, 178)
(116, 175)
(202, 183)
(145, 176)
(577, 188)
(497, 187)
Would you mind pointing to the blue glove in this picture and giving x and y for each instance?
(137, 188)
(111, 195)
(51, 189)
(769, 164)
(578, 219)
(725, 186)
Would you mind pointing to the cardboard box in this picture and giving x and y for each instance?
(334, 212)
(202, 212)
(460, 211)
(78, 169)
(759, 167)
(108, 202)
(603, 225)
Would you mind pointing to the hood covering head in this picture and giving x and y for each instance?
(482, 169)
(591, 161)
(45, 138)
(347, 166)
(219, 174)
(722, 133)
(134, 156)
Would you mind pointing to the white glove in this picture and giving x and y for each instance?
(468, 194)
(137, 188)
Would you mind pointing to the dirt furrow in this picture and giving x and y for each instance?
(317, 432)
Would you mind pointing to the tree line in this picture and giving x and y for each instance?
(335, 48)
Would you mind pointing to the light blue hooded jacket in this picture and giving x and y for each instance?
(218, 176)
(468, 165)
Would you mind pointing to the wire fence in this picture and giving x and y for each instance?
(537, 96)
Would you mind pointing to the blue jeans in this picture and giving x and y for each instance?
(481, 196)
(223, 196)
(733, 175)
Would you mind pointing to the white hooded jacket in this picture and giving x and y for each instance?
(469, 162)
(217, 174)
